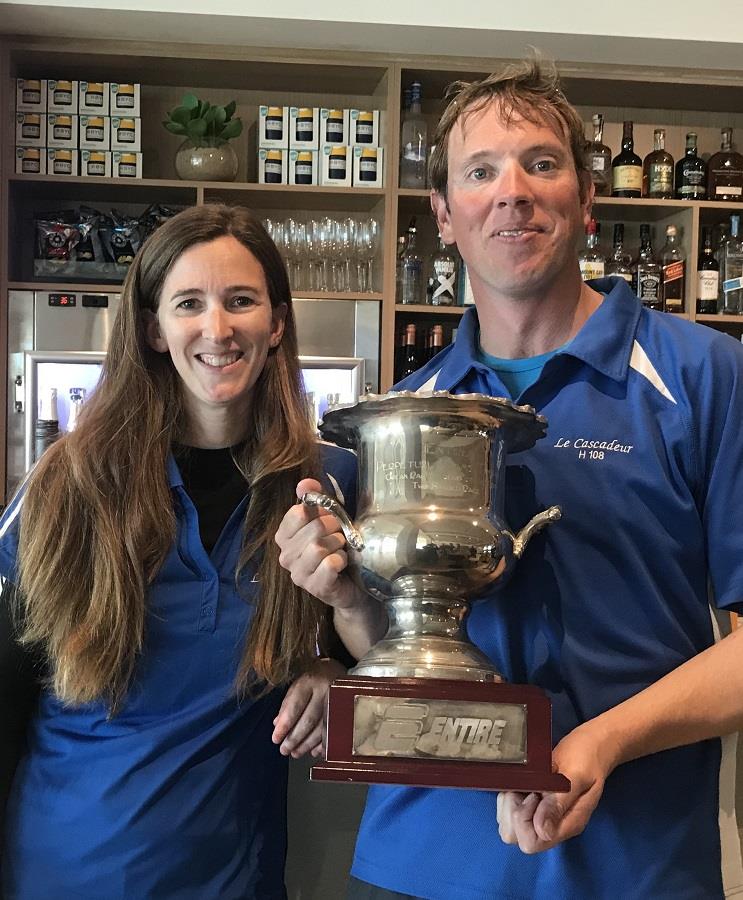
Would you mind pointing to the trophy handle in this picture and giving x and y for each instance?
(532, 527)
(350, 532)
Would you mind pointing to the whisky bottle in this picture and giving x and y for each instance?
(626, 168)
(410, 359)
(674, 272)
(657, 170)
(620, 262)
(725, 171)
(691, 172)
(441, 287)
(648, 273)
(598, 158)
(708, 277)
(591, 261)
(413, 143)
(732, 285)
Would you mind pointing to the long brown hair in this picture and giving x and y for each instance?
(97, 519)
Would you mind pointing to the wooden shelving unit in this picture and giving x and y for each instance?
(680, 100)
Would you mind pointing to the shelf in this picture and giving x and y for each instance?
(709, 319)
(337, 295)
(65, 286)
(431, 310)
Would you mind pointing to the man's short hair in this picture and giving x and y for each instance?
(529, 89)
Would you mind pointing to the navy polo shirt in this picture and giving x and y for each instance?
(644, 455)
(182, 795)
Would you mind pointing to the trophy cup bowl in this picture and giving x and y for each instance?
(429, 535)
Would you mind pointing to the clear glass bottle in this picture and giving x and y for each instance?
(648, 273)
(723, 236)
(673, 261)
(413, 143)
(402, 241)
(441, 287)
(626, 167)
(657, 170)
(411, 275)
(725, 171)
(591, 260)
(46, 427)
(732, 285)
(708, 277)
(691, 172)
(598, 158)
(620, 262)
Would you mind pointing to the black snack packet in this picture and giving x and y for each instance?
(57, 235)
(154, 216)
(87, 222)
(120, 237)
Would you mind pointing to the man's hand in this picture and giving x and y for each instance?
(313, 552)
(537, 822)
(298, 728)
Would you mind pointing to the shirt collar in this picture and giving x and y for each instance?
(174, 473)
(604, 342)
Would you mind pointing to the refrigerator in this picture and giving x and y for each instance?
(57, 340)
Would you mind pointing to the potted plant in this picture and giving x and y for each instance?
(205, 154)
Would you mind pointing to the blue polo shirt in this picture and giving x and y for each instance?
(182, 795)
(644, 454)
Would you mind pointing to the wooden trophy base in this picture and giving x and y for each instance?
(439, 733)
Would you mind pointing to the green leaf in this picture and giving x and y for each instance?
(229, 110)
(180, 114)
(196, 129)
(232, 129)
(190, 101)
(203, 108)
(175, 127)
(220, 116)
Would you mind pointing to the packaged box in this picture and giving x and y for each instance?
(61, 130)
(126, 133)
(334, 126)
(126, 164)
(30, 95)
(304, 130)
(93, 97)
(272, 165)
(95, 133)
(336, 164)
(364, 124)
(124, 100)
(368, 166)
(273, 126)
(303, 166)
(95, 163)
(30, 129)
(30, 161)
(61, 161)
(61, 96)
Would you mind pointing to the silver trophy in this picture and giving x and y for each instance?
(429, 535)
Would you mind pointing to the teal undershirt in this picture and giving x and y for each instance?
(516, 374)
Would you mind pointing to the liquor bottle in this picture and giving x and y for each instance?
(441, 286)
(691, 172)
(46, 427)
(626, 168)
(410, 360)
(413, 143)
(725, 171)
(598, 158)
(708, 277)
(620, 262)
(591, 261)
(437, 341)
(402, 241)
(657, 170)
(648, 273)
(732, 285)
(723, 236)
(674, 272)
(411, 275)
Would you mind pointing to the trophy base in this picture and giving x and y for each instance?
(439, 733)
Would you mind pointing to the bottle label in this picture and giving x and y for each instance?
(732, 284)
(96, 168)
(598, 164)
(673, 271)
(415, 151)
(337, 168)
(728, 190)
(32, 165)
(443, 291)
(127, 170)
(63, 167)
(593, 268)
(627, 178)
(661, 179)
(62, 132)
(94, 133)
(649, 286)
(364, 132)
(708, 284)
(62, 97)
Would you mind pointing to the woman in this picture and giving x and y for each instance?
(148, 583)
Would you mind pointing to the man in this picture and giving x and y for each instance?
(609, 610)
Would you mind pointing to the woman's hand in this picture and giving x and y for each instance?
(298, 728)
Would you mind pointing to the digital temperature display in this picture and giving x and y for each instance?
(62, 299)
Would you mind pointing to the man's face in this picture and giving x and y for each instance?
(514, 207)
